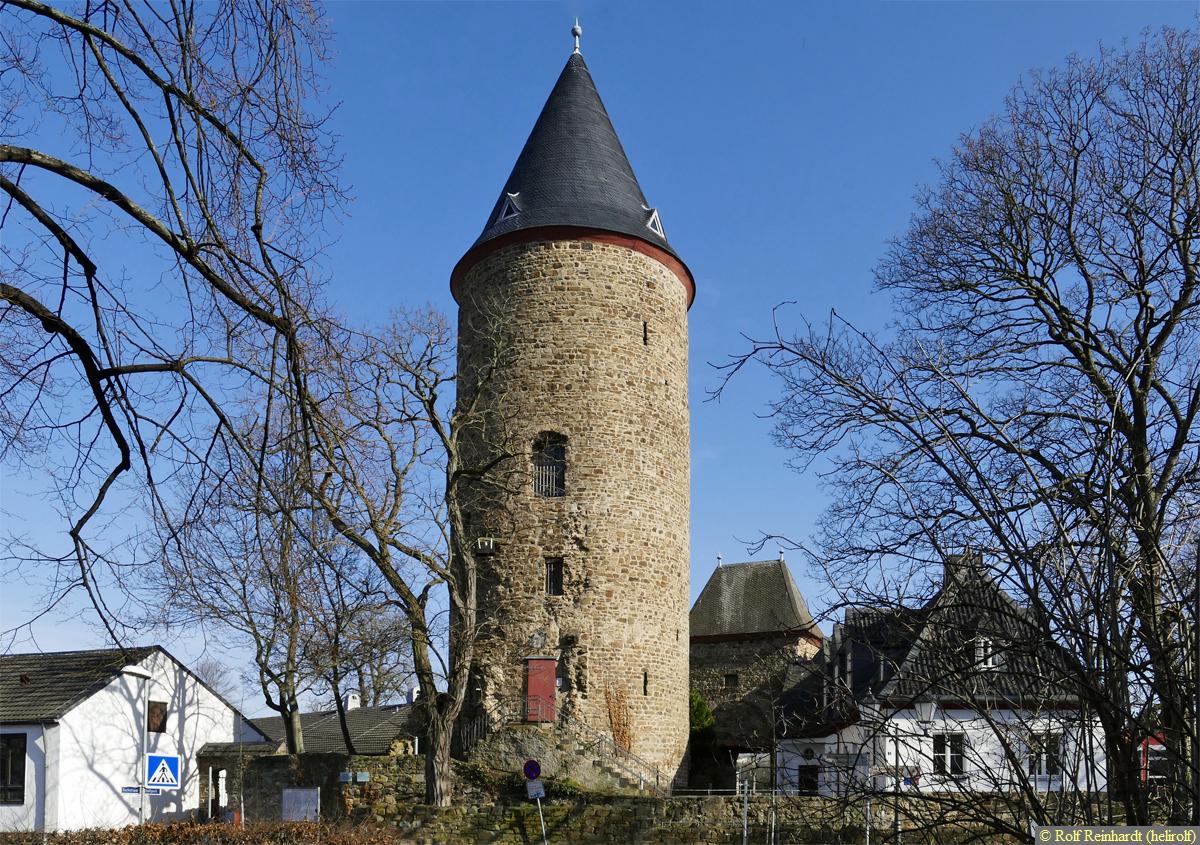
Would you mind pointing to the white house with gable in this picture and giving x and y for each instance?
(963, 694)
(76, 727)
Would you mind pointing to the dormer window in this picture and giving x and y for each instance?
(987, 653)
(509, 207)
(550, 465)
(654, 224)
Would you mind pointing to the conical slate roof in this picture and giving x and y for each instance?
(573, 171)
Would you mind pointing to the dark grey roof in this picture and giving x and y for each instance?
(751, 598)
(573, 170)
(902, 654)
(372, 729)
(42, 687)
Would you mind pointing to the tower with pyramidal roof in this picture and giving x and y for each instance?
(573, 365)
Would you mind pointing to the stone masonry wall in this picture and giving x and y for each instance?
(743, 712)
(587, 340)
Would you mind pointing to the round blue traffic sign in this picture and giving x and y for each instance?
(532, 769)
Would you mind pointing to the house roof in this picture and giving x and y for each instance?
(573, 171)
(42, 687)
(899, 655)
(45, 686)
(756, 597)
(372, 729)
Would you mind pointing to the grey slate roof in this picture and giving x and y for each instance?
(751, 598)
(929, 652)
(573, 170)
(372, 729)
(42, 687)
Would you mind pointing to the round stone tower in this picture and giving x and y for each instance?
(573, 360)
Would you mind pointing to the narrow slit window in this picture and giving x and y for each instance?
(554, 576)
(645, 333)
(645, 682)
(550, 466)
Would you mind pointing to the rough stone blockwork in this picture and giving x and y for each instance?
(587, 341)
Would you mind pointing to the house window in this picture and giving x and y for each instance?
(554, 576)
(731, 681)
(842, 667)
(807, 779)
(948, 754)
(12, 769)
(550, 465)
(987, 653)
(156, 717)
(1045, 754)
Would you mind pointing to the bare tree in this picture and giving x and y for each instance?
(1037, 398)
(357, 640)
(246, 563)
(165, 176)
(395, 472)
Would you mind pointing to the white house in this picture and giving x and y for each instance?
(959, 695)
(75, 727)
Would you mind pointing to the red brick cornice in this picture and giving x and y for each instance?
(573, 233)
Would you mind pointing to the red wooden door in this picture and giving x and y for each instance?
(539, 689)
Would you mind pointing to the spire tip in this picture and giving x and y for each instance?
(576, 31)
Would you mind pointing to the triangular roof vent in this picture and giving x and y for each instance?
(509, 207)
(655, 225)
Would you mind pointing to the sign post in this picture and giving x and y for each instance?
(536, 790)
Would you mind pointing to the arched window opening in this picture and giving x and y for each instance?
(550, 465)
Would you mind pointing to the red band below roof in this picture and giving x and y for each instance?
(573, 233)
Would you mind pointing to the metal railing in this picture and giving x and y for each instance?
(478, 727)
(648, 776)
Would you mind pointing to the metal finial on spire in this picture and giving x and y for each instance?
(577, 31)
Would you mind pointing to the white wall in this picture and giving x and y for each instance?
(39, 744)
(994, 755)
(99, 749)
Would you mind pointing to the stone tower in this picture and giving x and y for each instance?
(573, 343)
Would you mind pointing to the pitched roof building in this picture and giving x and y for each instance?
(950, 693)
(80, 724)
(748, 626)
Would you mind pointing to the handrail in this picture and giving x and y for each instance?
(647, 775)
(633, 765)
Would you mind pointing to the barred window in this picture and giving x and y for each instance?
(12, 769)
(550, 465)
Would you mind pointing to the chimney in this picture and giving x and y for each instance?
(954, 567)
(351, 701)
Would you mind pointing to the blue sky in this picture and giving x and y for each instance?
(782, 142)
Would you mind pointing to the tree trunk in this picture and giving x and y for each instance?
(293, 733)
(439, 782)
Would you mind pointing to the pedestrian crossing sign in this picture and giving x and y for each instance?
(162, 771)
